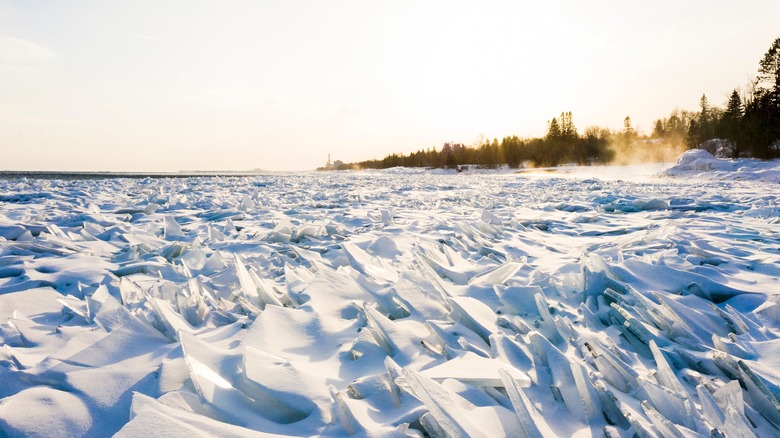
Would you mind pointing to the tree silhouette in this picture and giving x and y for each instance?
(769, 68)
(728, 127)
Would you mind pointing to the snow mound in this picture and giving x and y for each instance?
(701, 164)
(42, 411)
(693, 155)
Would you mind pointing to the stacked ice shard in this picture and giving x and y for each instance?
(382, 304)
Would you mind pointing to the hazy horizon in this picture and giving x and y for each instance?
(185, 86)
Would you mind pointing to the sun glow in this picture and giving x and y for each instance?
(202, 86)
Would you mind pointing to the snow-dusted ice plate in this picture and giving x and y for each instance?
(394, 304)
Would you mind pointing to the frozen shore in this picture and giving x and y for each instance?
(578, 302)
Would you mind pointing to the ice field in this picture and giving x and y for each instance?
(610, 301)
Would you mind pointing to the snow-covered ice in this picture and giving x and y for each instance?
(702, 164)
(578, 302)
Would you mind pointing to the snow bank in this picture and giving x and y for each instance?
(698, 163)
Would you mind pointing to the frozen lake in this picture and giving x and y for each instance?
(568, 303)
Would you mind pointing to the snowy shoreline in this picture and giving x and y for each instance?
(696, 163)
(578, 302)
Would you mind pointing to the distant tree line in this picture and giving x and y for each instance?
(562, 144)
(749, 126)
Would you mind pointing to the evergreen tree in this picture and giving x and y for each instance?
(769, 69)
(770, 73)
(692, 139)
(761, 121)
(658, 130)
(628, 135)
(706, 128)
(728, 126)
(704, 104)
(628, 129)
(553, 129)
(567, 125)
(512, 150)
(734, 107)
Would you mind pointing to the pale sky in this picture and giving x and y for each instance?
(235, 85)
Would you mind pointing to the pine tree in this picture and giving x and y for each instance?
(761, 121)
(658, 130)
(553, 129)
(628, 129)
(769, 68)
(567, 125)
(705, 122)
(734, 108)
(728, 126)
(704, 109)
(692, 139)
